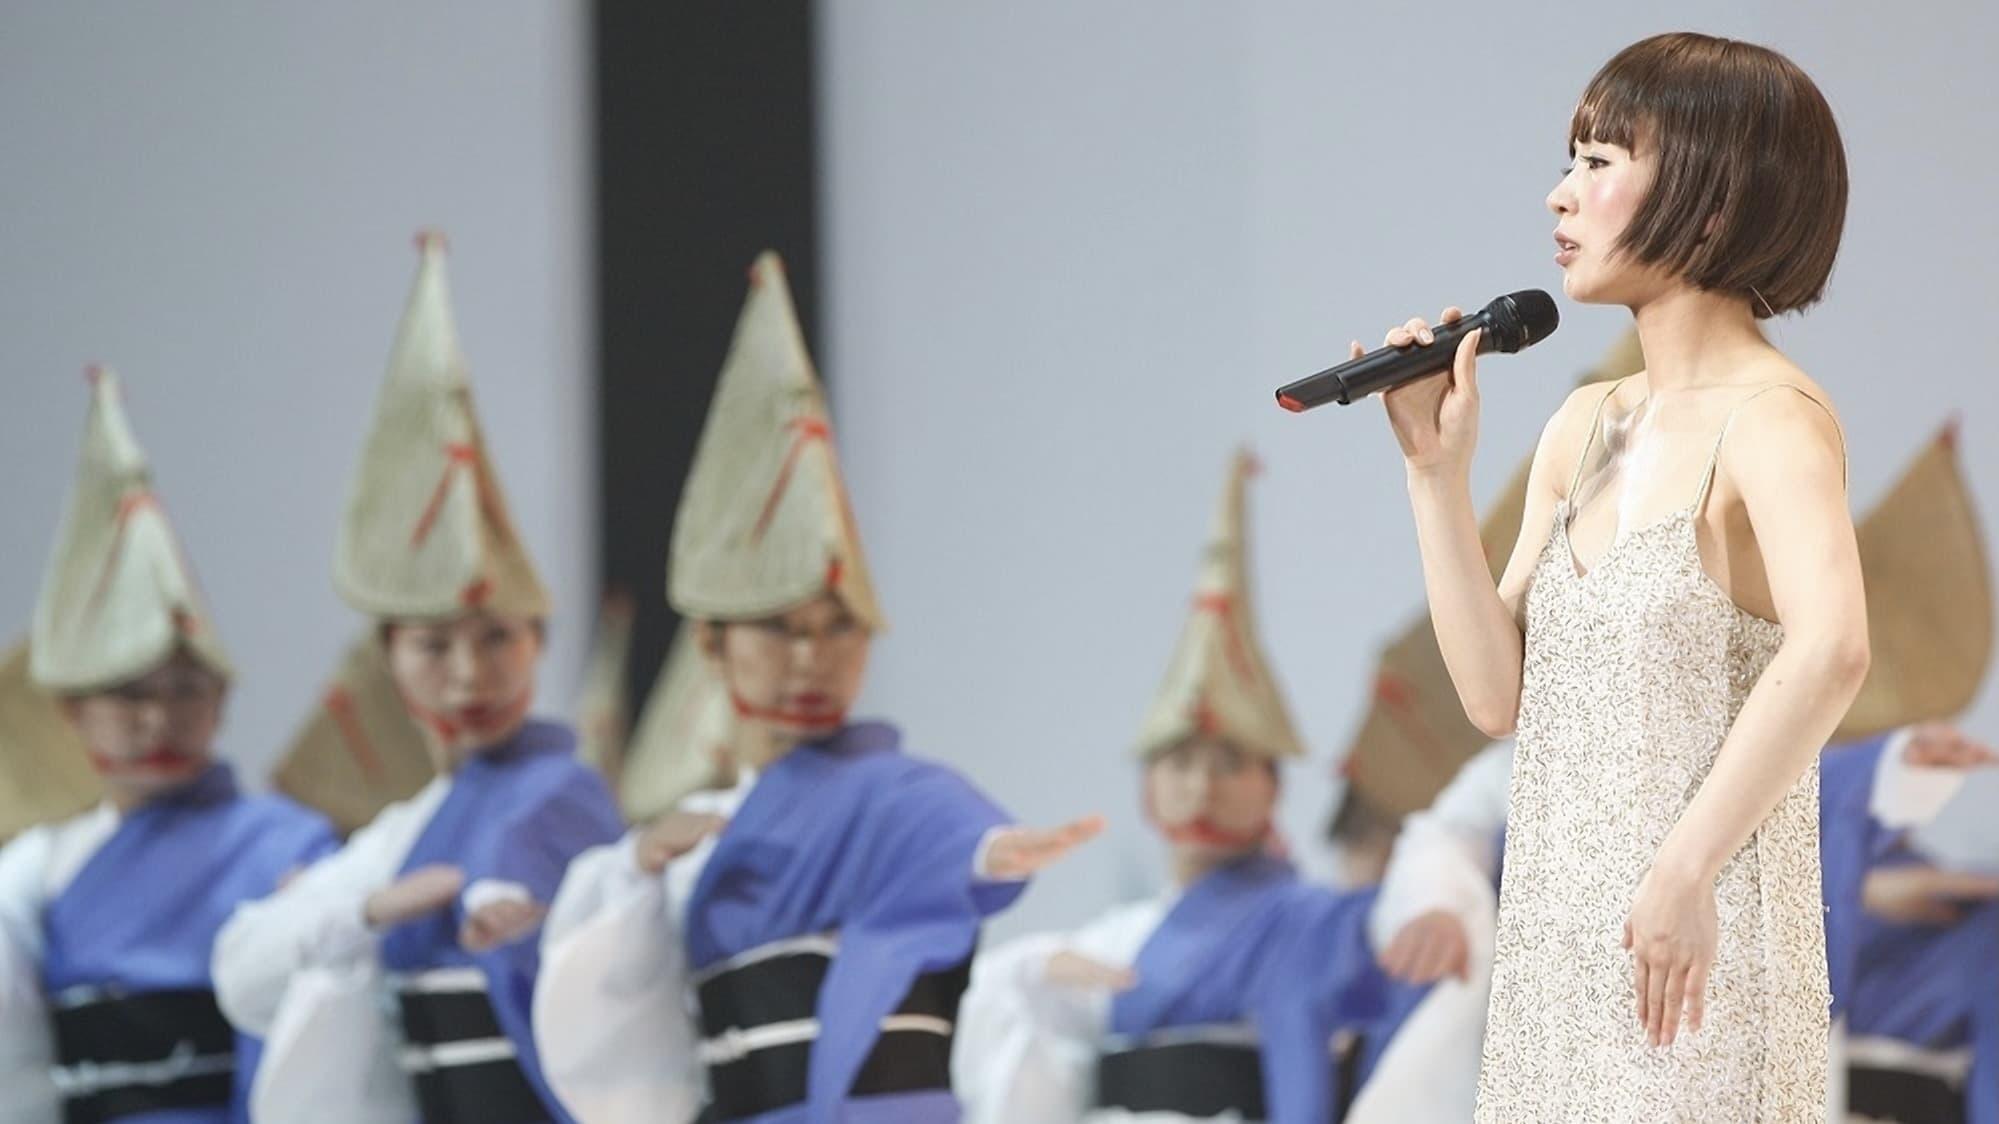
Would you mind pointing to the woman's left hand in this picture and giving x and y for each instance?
(1016, 853)
(1672, 935)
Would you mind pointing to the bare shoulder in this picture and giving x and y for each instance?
(1791, 433)
(1568, 430)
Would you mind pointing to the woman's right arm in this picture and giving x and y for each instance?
(319, 918)
(1479, 625)
(23, 863)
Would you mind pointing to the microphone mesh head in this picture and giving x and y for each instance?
(1529, 316)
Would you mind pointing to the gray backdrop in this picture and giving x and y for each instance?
(220, 205)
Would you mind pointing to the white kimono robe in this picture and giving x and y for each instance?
(300, 969)
(1446, 857)
(619, 1041)
(35, 868)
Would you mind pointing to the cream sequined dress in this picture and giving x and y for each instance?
(1634, 672)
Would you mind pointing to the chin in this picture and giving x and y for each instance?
(807, 730)
(146, 782)
(1579, 287)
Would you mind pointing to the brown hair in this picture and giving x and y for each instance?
(1750, 194)
(1360, 819)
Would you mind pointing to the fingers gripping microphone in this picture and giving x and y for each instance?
(1511, 322)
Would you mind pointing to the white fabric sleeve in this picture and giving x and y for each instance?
(316, 921)
(330, 1054)
(1906, 795)
(612, 1019)
(1430, 1069)
(1446, 855)
(1444, 859)
(27, 1049)
(1026, 1049)
(492, 891)
(22, 865)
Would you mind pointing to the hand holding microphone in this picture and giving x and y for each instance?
(1428, 377)
(1435, 415)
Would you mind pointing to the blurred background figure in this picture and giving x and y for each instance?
(108, 917)
(1912, 881)
(394, 978)
(1239, 992)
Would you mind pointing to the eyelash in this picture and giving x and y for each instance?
(1595, 163)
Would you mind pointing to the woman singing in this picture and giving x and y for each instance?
(1681, 625)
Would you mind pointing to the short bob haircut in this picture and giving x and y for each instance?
(1744, 142)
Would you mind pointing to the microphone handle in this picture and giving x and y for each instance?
(1390, 367)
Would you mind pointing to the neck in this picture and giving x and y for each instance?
(1693, 338)
(449, 756)
(1191, 864)
(129, 798)
(762, 744)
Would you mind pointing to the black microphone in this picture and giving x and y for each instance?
(1511, 322)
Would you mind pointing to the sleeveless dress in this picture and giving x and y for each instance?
(1633, 675)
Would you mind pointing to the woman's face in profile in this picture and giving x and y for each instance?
(1598, 195)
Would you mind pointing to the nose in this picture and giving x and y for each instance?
(463, 664)
(1562, 200)
(152, 718)
(805, 651)
(1201, 786)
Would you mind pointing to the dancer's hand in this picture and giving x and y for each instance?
(672, 835)
(421, 892)
(1086, 973)
(1924, 895)
(1015, 853)
(1427, 949)
(1672, 934)
(1435, 418)
(500, 922)
(1939, 745)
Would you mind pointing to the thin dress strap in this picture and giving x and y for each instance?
(1714, 458)
(1589, 441)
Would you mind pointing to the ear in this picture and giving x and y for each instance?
(708, 637)
(539, 627)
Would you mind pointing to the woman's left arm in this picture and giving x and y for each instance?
(1785, 459)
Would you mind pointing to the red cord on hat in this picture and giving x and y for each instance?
(129, 505)
(1222, 605)
(804, 431)
(456, 455)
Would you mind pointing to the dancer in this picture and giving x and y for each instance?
(108, 919)
(438, 900)
(821, 914)
(1226, 997)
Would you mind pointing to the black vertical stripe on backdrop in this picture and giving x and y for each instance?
(705, 155)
